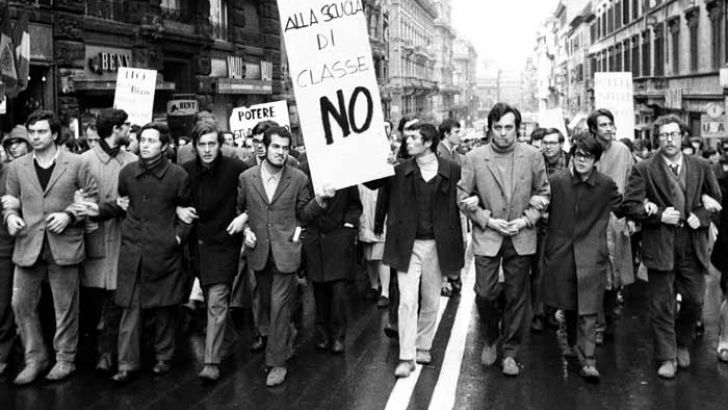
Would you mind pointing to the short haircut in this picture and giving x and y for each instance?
(708, 152)
(538, 134)
(591, 120)
(279, 131)
(664, 120)
(262, 127)
(164, 136)
(203, 128)
(402, 121)
(45, 115)
(588, 145)
(136, 129)
(204, 115)
(549, 131)
(501, 109)
(447, 125)
(429, 134)
(109, 118)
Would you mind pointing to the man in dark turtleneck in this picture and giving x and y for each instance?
(502, 190)
(150, 272)
(98, 277)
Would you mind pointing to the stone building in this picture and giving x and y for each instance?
(443, 102)
(466, 101)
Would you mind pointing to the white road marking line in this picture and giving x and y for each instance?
(443, 396)
(401, 394)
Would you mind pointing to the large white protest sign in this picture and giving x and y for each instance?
(614, 92)
(135, 93)
(243, 119)
(337, 94)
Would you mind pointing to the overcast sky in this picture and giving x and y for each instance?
(502, 31)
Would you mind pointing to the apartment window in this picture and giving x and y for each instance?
(618, 15)
(716, 15)
(618, 57)
(610, 20)
(674, 27)
(692, 18)
(625, 11)
(592, 66)
(593, 33)
(635, 9)
(219, 19)
(604, 24)
(646, 43)
(636, 56)
(580, 72)
(659, 50)
(626, 48)
(599, 27)
(612, 60)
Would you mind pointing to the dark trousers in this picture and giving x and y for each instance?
(277, 293)
(108, 325)
(669, 328)
(130, 329)
(513, 308)
(581, 332)
(331, 300)
(536, 262)
(7, 324)
(393, 299)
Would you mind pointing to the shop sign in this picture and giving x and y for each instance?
(712, 127)
(236, 67)
(674, 98)
(182, 107)
(337, 94)
(106, 61)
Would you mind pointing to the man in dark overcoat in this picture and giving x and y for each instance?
(328, 247)
(674, 240)
(150, 275)
(214, 247)
(576, 253)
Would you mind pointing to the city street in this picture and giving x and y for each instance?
(363, 377)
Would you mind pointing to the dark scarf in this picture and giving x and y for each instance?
(151, 164)
(112, 152)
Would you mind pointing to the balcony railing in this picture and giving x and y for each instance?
(106, 9)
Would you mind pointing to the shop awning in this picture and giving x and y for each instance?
(110, 86)
(242, 86)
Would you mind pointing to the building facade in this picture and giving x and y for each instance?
(466, 101)
(443, 102)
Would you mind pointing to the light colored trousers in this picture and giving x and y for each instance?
(422, 281)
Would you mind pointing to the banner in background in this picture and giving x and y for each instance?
(337, 95)
(614, 92)
(134, 94)
(243, 119)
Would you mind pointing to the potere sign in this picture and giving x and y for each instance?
(337, 94)
(243, 119)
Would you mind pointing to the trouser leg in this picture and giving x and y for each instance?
(691, 285)
(487, 295)
(535, 278)
(7, 323)
(430, 283)
(662, 313)
(383, 278)
(130, 333)
(109, 326)
(282, 288)
(64, 283)
(339, 298)
(515, 271)
(164, 332)
(393, 298)
(26, 295)
(218, 319)
(260, 303)
(409, 289)
(586, 339)
(572, 322)
(322, 297)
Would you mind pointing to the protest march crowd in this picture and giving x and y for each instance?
(123, 226)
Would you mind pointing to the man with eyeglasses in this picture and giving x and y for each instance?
(616, 162)
(674, 240)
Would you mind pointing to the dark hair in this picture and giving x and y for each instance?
(628, 143)
(707, 152)
(538, 134)
(549, 131)
(591, 121)
(279, 131)
(447, 125)
(109, 118)
(164, 136)
(429, 134)
(687, 144)
(262, 127)
(402, 122)
(202, 128)
(204, 115)
(45, 115)
(136, 129)
(664, 120)
(588, 144)
(501, 109)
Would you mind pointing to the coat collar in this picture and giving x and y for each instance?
(591, 181)
(444, 167)
(200, 169)
(158, 171)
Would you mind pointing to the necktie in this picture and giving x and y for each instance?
(673, 168)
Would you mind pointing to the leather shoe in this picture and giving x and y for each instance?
(590, 373)
(61, 370)
(337, 347)
(683, 357)
(123, 376)
(258, 344)
(510, 367)
(489, 354)
(161, 367)
(30, 372)
(104, 364)
(667, 369)
(210, 372)
(276, 376)
(404, 368)
(423, 357)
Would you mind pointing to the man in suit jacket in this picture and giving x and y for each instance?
(674, 239)
(276, 200)
(502, 189)
(49, 243)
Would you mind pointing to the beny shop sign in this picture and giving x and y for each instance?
(336, 89)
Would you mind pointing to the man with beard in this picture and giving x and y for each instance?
(16, 145)
(105, 161)
(49, 243)
(278, 203)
